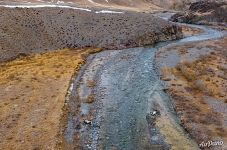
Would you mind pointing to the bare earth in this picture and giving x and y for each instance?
(32, 98)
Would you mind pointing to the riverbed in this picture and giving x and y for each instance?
(130, 108)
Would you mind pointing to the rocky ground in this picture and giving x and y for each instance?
(24, 31)
(204, 12)
(33, 91)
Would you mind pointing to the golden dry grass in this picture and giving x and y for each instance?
(32, 96)
(91, 83)
(199, 73)
(192, 83)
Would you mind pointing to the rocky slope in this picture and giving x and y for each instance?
(172, 4)
(204, 12)
(30, 30)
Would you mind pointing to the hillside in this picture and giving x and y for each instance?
(135, 5)
(37, 29)
(204, 12)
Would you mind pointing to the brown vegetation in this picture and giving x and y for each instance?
(33, 90)
(90, 98)
(198, 87)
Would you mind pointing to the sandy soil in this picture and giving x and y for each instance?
(198, 87)
(32, 98)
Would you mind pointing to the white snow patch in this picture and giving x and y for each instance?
(91, 1)
(60, 2)
(109, 11)
(41, 6)
(70, 3)
(61, 6)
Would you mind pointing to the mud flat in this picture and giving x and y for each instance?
(195, 77)
(31, 30)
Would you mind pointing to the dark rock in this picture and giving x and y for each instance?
(203, 12)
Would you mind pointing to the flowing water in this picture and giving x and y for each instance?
(129, 99)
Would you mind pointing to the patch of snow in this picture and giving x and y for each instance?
(61, 6)
(60, 2)
(91, 1)
(70, 2)
(109, 11)
(41, 6)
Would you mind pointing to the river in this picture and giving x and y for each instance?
(129, 99)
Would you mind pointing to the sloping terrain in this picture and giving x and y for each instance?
(179, 4)
(172, 4)
(24, 31)
(204, 12)
(134, 5)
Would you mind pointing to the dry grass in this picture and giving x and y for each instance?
(202, 91)
(91, 83)
(32, 96)
(90, 98)
(183, 51)
(199, 74)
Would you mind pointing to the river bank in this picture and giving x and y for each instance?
(194, 74)
(128, 99)
(35, 81)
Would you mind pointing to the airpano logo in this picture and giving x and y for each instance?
(211, 143)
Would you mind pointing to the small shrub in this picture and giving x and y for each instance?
(199, 85)
(90, 98)
(91, 83)
(185, 70)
